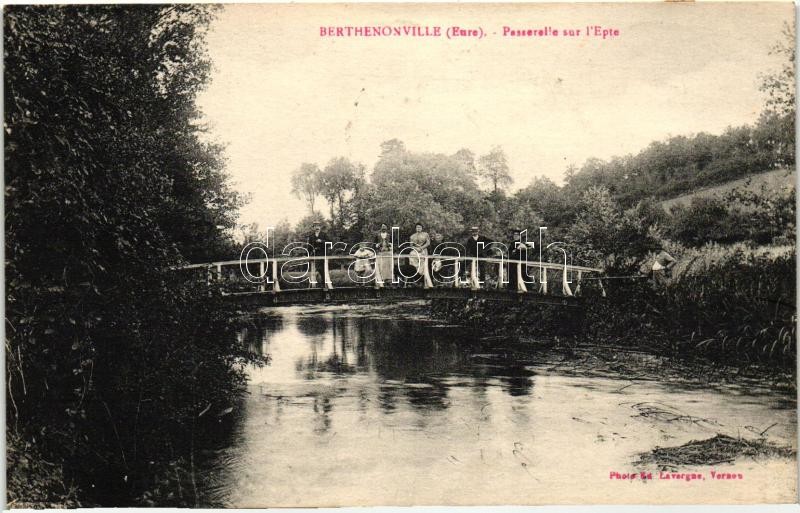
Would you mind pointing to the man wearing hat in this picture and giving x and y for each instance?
(476, 247)
(317, 239)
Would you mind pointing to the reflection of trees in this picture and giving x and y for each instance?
(410, 359)
(308, 367)
(322, 410)
(336, 364)
(402, 350)
(428, 397)
(313, 326)
(339, 344)
(258, 331)
(518, 385)
(387, 398)
(410, 353)
(362, 356)
(515, 378)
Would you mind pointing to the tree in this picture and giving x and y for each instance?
(305, 226)
(704, 220)
(337, 180)
(551, 203)
(780, 85)
(405, 204)
(109, 186)
(467, 158)
(773, 137)
(283, 235)
(250, 233)
(392, 147)
(493, 168)
(570, 172)
(601, 231)
(306, 184)
(524, 219)
(435, 189)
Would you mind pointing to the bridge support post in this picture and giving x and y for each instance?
(312, 278)
(276, 286)
(378, 277)
(261, 274)
(543, 280)
(328, 284)
(473, 275)
(501, 268)
(426, 275)
(578, 285)
(521, 287)
(565, 283)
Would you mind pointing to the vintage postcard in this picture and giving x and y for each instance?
(310, 255)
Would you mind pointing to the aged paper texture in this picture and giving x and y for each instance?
(308, 255)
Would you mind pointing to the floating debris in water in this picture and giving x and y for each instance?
(713, 451)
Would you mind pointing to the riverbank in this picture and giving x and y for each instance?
(151, 392)
(736, 308)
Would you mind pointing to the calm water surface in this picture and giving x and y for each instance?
(363, 407)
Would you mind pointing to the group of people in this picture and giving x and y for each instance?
(443, 268)
(446, 267)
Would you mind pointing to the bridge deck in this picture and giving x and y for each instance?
(272, 285)
(355, 294)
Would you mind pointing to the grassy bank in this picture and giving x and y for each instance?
(732, 305)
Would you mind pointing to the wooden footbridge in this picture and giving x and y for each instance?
(348, 278)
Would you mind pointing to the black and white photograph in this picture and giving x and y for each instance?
(315, 255)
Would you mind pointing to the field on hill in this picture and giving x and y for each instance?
(772, 180)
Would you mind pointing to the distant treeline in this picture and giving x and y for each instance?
(444, 193)
(680, 164)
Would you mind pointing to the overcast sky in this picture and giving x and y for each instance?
(282, 95)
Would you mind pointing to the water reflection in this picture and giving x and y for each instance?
(255, 337)
(404, 412)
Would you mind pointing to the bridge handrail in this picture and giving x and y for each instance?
(448, 258)
(473, 263)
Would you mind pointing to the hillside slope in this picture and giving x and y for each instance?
(771, 180)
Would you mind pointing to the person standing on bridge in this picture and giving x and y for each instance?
(384, 262)
(476, 247)
(317, 239)
(421, 241)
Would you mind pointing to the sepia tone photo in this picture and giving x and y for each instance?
(330, 255)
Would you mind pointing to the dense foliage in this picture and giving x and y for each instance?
(739, 307)
(109, 185)
(680, 164)
(763, 217)
(731, 305)
(442, 192)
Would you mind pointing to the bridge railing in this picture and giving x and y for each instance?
(275, 274)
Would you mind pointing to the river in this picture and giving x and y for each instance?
(376, 406)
